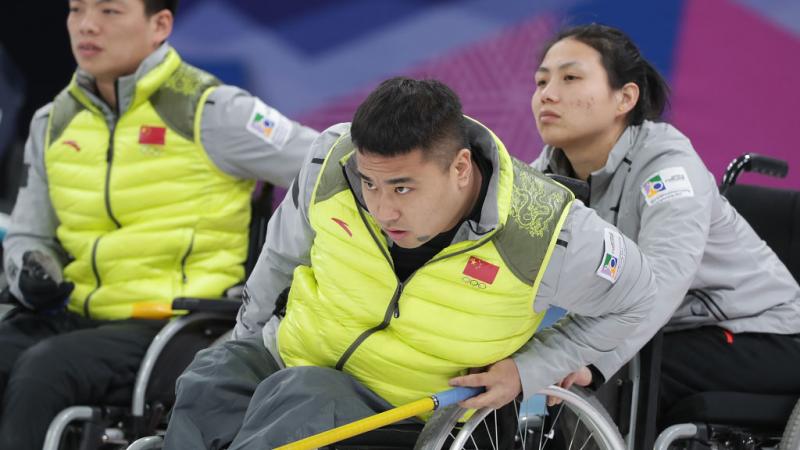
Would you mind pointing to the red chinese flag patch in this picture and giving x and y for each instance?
(152, 135)
(481, 270)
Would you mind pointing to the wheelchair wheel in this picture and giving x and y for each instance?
(791, 434)
(578, 423)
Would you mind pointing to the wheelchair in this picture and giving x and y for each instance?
(505, 428)
(116, 425)
(718, 420)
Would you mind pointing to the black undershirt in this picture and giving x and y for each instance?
(407, 260)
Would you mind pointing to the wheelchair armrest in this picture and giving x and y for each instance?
(217, 305)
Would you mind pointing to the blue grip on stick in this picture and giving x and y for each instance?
(455, 395)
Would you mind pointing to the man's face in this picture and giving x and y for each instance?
(412, 198)
(110, 38)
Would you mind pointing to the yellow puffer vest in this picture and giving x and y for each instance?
(144, 213)
(469, 306)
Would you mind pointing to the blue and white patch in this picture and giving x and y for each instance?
(269, 125)
(667, 184)
(613, 256)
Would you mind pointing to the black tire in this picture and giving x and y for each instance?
(791, 434)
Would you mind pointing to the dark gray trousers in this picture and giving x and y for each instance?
(51, 362)
(235, 394)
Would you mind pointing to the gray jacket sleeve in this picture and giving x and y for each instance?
(288, 242)
(33, 221)
(248, 139)
(673, 235)
(603, 309)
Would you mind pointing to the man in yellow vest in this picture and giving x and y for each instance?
(416, 248)
(138, 190)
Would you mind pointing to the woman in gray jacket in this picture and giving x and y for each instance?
(730, 306)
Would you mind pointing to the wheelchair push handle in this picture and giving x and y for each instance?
(753, 162)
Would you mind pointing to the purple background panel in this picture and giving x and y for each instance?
(735, 87)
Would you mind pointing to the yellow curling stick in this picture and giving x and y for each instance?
(415, 408)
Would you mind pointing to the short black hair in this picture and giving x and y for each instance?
(623, 63)
(153, 6)
(403, 114)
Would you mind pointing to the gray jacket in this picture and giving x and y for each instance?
(224, 133)
(710, 266)
(603, 312)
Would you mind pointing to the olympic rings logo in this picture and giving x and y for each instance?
(473, 283)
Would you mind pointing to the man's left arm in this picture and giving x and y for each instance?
(249, 139)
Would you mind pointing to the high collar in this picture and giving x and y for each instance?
(126, 85)
(559, 164)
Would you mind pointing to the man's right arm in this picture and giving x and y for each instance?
(33, 220)
(605, 283)
(288, 242)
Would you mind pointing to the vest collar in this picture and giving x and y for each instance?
(133, 89)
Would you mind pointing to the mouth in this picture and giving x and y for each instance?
(548, 117)
(88, 49)
(395, 234)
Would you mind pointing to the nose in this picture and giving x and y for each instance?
(87, 24)
(384, 210)
(548, 93)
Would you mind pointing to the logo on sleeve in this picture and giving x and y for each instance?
(613, 255)
(481, 270)
(653, 186)
(269, 125)
(667, 184)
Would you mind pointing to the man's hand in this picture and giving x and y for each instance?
(501, 381)
(41, 284)
(581, 377)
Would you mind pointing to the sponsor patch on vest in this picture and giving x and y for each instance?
(73, 144)
(343, 224)
(150, 135)
(613, 255)
(481, 270)
(269, 124)
(667, 184)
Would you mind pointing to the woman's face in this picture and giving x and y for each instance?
(573, 104)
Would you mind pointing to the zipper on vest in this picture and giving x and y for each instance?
(183, 260)
(96, 279)
(387, 318)
(393, 310)
(110, 157)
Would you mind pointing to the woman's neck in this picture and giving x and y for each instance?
(592, 154)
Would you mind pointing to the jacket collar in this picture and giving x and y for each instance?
(126, 85)
(600, 178)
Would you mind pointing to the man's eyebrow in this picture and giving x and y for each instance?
(561, 67)
(398, 180)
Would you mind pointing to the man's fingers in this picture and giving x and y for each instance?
(479, 401)
(553, 401)
(569, 381)
(474, 380)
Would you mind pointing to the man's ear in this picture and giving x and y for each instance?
(162, 26)
(462, 166)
